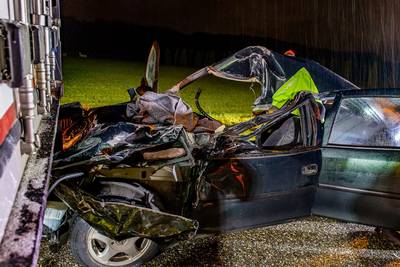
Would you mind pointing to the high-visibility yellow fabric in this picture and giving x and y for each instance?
(301, 81)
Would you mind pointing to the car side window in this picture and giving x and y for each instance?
(283, 136)
(367, 121)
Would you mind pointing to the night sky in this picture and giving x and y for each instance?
(349, 25)
(357, 38)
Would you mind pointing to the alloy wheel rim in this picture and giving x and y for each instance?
(110, 252)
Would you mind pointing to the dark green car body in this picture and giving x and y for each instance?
(360, 176)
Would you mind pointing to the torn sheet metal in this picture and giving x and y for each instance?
(268, 68)
(120, 221)
(167, 109)
(253, 64)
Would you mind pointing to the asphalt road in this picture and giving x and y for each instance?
(313, 241)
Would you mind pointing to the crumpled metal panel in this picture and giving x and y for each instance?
(257, 64)
(115, 142)
(253, 64)
(238, 138)
(154, 108)
(167, 109)
(120, 221)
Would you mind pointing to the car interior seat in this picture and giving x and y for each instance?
(282, 136)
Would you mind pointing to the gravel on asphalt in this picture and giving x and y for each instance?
(312, 241)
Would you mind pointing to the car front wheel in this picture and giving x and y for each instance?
(92, 249)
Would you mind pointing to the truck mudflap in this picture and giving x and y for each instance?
(120, 221)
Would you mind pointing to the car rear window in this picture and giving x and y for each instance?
(367, 121)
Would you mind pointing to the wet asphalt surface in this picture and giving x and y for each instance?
(313, 241)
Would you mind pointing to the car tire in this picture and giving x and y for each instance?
(82, 234)
(79, 242)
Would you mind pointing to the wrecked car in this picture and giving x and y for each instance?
(137, 177)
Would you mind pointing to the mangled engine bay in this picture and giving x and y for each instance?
(104, 144)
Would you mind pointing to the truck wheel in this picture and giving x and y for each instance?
(92, 249)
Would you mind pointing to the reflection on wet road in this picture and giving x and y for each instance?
(312, 241)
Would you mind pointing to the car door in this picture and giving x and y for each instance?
(274, 182)
(360, 175)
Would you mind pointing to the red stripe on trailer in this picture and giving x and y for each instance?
(6, 98)
(6, 122)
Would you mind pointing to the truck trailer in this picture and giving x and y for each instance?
(30, 88)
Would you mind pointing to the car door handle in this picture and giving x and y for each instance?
(311, 169)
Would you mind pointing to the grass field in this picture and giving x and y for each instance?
(99, 82)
